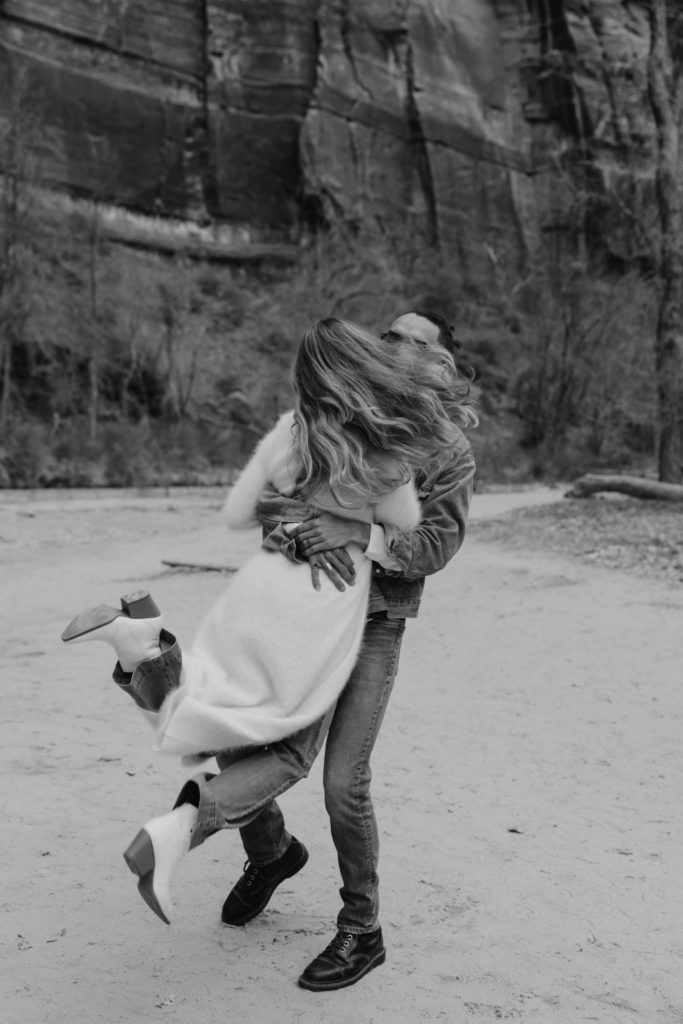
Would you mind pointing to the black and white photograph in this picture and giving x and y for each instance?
(341, 511)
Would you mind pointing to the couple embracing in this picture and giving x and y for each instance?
(361, 490)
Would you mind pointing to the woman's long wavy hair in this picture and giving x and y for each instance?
(368, 414)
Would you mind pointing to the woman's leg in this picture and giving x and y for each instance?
(243, 795)
(151, 681)
(132, 629)
(243, 792)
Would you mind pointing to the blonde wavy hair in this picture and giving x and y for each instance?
(368, 414)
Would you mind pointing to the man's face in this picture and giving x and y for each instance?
(414, 329)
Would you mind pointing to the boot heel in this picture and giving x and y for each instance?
(140, 855)
(140, 859)
(139, 605)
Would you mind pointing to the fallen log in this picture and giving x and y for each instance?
(635, 486)
(198, 566)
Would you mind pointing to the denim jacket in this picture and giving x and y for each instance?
(445, 491)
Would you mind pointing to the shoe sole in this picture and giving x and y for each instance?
(251, 914)
(378, 959)
(138, 605)
(140, 859)
(90, 620)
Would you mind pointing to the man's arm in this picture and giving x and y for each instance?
(439, 536)
(415, 553)
(240, 508)
(274, 510)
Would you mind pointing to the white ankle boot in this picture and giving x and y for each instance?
(132, 630)
(156, 852)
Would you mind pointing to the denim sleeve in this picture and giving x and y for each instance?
(439, 536)
(277, 539)
(273, 510)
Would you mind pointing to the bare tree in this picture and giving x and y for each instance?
(665, 79)
(18, 157)
(178, 352)
(105, 172)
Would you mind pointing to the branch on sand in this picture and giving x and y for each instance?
(635, 486)
(198, 566)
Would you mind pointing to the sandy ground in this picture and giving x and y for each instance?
(527, 781)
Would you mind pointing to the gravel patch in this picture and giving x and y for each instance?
(615, 532)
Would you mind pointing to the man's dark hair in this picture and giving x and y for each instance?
(447, 336)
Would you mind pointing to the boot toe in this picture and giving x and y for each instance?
(346, 960)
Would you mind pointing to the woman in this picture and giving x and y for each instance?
(365, 417)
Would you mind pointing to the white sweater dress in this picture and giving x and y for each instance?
(273, 654)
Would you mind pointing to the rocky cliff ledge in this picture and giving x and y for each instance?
(446, 116)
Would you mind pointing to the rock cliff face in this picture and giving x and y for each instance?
(445, 116)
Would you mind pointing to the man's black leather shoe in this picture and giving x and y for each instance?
(345, 961)
(250, 895)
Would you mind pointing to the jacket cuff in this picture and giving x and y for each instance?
(279, 540)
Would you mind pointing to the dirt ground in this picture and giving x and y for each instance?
(527, 782)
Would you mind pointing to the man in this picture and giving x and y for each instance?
(401, 563)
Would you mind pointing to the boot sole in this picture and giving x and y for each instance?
(90, 621)
(313, 986)
(140, 859)
(138, 605)
(255, 911)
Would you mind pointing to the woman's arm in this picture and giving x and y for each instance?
(400, 509)
(271, 463)
(239, 509)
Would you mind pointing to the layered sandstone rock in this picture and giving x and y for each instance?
(446, 118)
(261, 71)
(412, 120)
(118, 87)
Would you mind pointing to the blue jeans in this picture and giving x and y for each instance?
(242, 795)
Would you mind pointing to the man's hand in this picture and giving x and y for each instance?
(328, 532)
(323, 539)
(337, 566)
